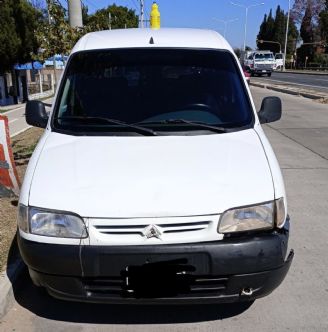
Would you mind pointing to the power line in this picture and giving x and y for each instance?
(134, 4)
(147, 16)
(90, 3)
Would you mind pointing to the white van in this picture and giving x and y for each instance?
(153, 181)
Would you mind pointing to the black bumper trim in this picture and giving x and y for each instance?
(261, 284)
(254, 261)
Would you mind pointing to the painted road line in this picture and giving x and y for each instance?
(318, 79)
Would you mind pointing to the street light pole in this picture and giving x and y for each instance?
(226, 22)
(246, 16)
(245, 35)
(286, 39)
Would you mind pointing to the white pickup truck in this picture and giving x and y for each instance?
(260, 63)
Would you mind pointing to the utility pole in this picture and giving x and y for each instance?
(75, 13)
(142, 13)
(54, 56)
(286, 39)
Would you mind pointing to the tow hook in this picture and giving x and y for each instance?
(247, 291)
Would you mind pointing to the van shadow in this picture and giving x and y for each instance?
(41, 304)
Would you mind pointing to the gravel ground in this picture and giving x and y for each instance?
(23, 146)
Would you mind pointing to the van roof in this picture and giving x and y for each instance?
(164, 37)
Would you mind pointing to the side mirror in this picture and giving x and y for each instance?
(35, 114)
(271, 110)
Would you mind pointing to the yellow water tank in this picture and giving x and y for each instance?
(155, 17)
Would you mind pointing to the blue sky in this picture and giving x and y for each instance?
(200, 13)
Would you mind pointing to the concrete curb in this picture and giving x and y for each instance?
(302, 72)
(7, 279)
(292, 91)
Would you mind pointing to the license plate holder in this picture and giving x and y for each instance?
(161, 279)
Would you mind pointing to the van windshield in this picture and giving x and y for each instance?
(160, 89)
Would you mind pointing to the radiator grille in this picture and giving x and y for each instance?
(139, 229)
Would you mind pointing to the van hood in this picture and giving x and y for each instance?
(128, 177)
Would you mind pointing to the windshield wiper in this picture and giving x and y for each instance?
(139, 129)
(193, 123)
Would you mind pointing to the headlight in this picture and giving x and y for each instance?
(48, 223)
(255, 217)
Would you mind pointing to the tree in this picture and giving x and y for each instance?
(323, 23)
(266, 32)
(274, 30)
(300, 7)
(17, 40)
(262, 35)
(279, 31)
(307, 26)
(270, 26)
(307, 35)
(237, 51)
(54, 34)
(9, 39)
(121, 17)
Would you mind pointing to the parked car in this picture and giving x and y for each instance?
(247, 75)
(279, 58)
(153, 181)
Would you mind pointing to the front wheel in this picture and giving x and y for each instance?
(269, 74)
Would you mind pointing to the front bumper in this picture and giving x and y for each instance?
(261, 71)
(235, 269)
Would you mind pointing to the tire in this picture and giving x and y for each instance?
(252, 74)
(269, 74)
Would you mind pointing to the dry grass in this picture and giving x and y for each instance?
(23, 146)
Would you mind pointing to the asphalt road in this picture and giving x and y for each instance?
(306, 81)
(300, 140)
(16, 120)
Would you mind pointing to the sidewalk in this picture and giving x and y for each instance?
(7, 108)
(4, 109)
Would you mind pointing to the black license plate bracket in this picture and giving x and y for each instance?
(160, 279)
